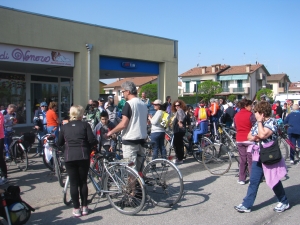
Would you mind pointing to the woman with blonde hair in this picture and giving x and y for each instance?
(78, 138)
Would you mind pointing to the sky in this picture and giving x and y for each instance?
(232, 32)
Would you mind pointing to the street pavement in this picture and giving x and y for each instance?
(207, 199)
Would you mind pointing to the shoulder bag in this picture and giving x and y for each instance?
(270, 155)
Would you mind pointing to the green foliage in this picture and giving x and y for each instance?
(231, 98)
(266, 91)
(150, 91)
(208, 89)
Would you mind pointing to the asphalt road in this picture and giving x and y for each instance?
(207, 199)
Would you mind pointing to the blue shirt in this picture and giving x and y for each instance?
(293, 120)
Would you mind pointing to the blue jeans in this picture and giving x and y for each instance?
(158, 138)
(49, 130)
(7, 141)
(294, 138)
(255, 178)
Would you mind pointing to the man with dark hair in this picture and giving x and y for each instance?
(133, 125)
(112, 110)
(167, 105)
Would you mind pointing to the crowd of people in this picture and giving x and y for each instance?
(254, 122)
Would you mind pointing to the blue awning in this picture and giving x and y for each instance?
(240, 77)
(233, 77)
(228, 77)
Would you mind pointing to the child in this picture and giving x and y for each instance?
(101, 131)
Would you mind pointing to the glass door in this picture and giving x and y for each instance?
(65, 97)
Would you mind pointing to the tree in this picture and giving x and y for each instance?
(264, 91)
(209, 89)
(231, 98)
(150, 91)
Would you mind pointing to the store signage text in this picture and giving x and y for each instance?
(37, 56)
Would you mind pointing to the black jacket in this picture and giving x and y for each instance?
(78, 139)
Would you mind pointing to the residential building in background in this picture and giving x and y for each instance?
(278, 83)
(244, 80)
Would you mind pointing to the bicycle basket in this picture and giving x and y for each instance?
(29, 137)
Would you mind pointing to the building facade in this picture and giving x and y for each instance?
(44, 58)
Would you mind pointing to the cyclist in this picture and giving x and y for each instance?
(9, 121)
(93, 114)
(133, 125)
(40, 124)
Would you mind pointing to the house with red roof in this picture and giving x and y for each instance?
(243, 80)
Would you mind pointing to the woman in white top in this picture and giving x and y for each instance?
(157, 131)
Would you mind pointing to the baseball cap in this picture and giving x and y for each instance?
(230, 104)
(157, 102)
(110, 96)
(43, 104)
(101, 99)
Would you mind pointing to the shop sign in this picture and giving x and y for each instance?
(128, 65)
(22, 54)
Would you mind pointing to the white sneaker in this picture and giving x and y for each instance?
(280, 207)
(241, 182)
(292, 162)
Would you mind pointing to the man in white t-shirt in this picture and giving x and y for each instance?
(133, 125)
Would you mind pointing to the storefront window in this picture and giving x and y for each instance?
(13, 91)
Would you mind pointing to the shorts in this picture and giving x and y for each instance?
(134, 153)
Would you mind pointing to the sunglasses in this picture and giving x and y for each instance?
(124, 91)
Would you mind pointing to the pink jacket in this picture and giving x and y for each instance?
(1, 126)
(273, 173)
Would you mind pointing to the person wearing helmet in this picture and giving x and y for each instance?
(40, 124)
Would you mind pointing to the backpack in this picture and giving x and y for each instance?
(165, 119)
(202, 115)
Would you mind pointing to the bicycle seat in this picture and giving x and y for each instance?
(148, 144)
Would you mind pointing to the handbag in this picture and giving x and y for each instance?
(270, 155)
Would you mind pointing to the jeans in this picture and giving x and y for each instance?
(158, 138)
(245, 160)
(78, 173)
(7, 141)
(255, 178)
(294, 138)
(49, 130)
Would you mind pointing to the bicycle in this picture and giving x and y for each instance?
(163, 180)
(122, 185)
(57, 159)
(284, 143)
(189, 148)
(19, 148)
(219, 160)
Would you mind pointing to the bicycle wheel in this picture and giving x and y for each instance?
(284, 147)
(216, 161)
(126, 189)
(164, 183)
(57, 168)
(21, 158)
(67, 197)
(97, 166)
(197, 149)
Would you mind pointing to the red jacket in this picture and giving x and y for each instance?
(243, 124)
